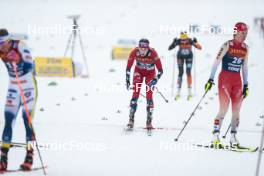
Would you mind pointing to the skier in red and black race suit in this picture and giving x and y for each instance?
(184, 54)
(147, 61)
(234, 57)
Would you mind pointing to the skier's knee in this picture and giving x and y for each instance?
(149, 94)
(150, 108)
(180, 72)
(9, 117)
(133, 103)
(7, 133)
(189, 80)
(179, 81)
(150, 104)
(188, 72)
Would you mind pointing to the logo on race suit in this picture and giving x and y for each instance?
(9, 103)
(137, 76)
(10, 96)
(29, 100)
(235, 64)
(12, 90)
(22, 82)
(27, 94)
(237, 60)
(26, 51)
(237, 52)
(185, 51)
(144, 59)
(28, 58)
(146, 66)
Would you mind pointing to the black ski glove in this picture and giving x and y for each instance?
(245, 91)
(194, 40)
(209, 85)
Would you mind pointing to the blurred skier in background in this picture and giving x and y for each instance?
(234, 57)
(147, 60)
(14, 53)
(262, 27)
(184, 55)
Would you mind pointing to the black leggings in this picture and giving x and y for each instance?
(180, 62)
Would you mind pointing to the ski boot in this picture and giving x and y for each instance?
(133, 108)
(233, 140)
(216, 143)
(149, 124)
(4, 158)
(189, 97)
(130, 124)
(28, 160)
(149, 127)
(149, 114)
(178, 95)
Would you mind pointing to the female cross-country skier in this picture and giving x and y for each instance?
(234, 57)
(184, 55)
(16, 53)
(147, 61)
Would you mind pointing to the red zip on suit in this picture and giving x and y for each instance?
(145, 68)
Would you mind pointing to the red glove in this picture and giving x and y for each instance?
(13, 56)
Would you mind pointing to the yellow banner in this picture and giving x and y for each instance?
(54, 67)
(121, 52)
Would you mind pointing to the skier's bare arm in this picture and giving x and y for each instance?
(218, 59)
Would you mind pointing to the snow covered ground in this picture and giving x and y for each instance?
(88, 120)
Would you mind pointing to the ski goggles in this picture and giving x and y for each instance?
(143, 45)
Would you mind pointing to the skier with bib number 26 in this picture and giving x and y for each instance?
(234, 57)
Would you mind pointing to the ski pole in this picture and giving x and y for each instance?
(194, 65)
(260, 151)
(27, 113)
(166, 100)
(20, 144)
(227, 131)
(192, 114)
(83, 54)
